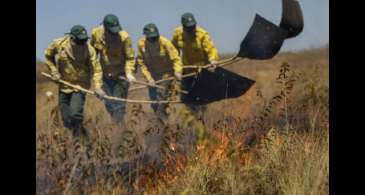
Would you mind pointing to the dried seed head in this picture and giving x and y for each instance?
(49, 94)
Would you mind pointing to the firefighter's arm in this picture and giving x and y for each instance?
(129, 54)
(140, 61)
(50, 54)
(97, 70)
(93, 40)
(175, 41)
(209, 48)
(174, 57)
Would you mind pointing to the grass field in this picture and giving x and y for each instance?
(272, 140)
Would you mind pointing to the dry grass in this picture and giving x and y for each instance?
(272, 140)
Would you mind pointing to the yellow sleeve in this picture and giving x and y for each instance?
(174, 57)
(209, 48)
(92, 39)
(97, 70)
(50, 54)
(129, 54)
(140, 61)
(175, 40)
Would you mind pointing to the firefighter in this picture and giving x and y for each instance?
(195, 47)
(158, 59)
(73, 59)
(116, 55)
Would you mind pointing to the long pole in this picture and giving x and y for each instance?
(219, 64)
(77, 87)
(151, 85)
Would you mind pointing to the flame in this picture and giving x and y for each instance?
(206, 152)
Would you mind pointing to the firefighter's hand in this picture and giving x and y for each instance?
(56, 75)
(178, 76)
(131, 78)
(99, 93)
(214, 65)
(151, 82)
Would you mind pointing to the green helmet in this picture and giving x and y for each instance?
(78, 32)
(188, 20)
(111, 24)
(151, 30)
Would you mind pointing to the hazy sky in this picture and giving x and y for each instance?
(227, 21)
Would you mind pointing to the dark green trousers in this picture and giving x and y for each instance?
(157, 94)
(72, 110)
(116, 88)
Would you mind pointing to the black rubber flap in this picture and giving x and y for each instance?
(292, 18)
(263, 40)
(209, 87)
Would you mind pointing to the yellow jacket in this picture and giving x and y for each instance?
(158, 59)
(116, 56)
(76, 64)
(197, 51)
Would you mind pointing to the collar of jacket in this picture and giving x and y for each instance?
(198, 34)
(66, 46)
(103, 35)
(103, 38)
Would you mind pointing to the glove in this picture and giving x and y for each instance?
(213, 62)
(131, 78)
(214, 65)
(178, 76)
(152, 82)
(56, 75)
(99, 93)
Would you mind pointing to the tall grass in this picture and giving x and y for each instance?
(289, 157)
(273, 140)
